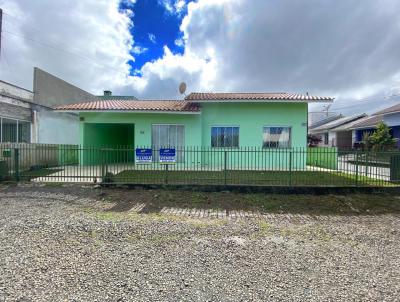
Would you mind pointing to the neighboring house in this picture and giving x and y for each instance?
(390, 116)
(337, 133)
(108, 96)
(326, 120)
(321, 117)
(27, 116)
(15, 113)
(208, 120)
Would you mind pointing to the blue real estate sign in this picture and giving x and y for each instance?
(144, 156)
(167, 155)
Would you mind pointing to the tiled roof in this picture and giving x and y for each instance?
(368, 122)
(144, 105)
(281, 96)
(392, 109)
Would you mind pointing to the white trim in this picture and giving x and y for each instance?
(15, 119)
(15, 101)
(388, 113)
(258, 101)
(130, 111)
(275, 126)
(167, 124)
(17, 128)
(180, 125)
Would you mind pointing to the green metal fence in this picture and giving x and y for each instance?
(201, 165)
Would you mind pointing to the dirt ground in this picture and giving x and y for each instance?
(79, 243)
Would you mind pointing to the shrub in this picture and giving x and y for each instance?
(380, 139)
(313, 140)
(109, 177)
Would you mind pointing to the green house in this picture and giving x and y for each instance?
(209, 121)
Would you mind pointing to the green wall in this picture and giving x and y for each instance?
(142, 126)
(108, 135)
(102, 135)
(250, 117)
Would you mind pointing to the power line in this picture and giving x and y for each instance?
(44, 44)
(1, 24)
(59, 47)
(8, 65)
(363, 101)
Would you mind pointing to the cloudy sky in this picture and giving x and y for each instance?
(348, 49)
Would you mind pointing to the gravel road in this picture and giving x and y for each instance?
(63, 244)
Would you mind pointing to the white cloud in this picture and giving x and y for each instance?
(303, 46)
(139, 50)
(152, 38)
(335, 48)
(173, 7)
(86, 43)
(179, 42)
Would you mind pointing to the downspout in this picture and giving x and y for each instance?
(35, 130)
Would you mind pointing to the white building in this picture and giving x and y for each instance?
(27, 116)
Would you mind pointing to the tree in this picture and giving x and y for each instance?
(380, 139)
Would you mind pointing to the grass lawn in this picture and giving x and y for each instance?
(267, 178)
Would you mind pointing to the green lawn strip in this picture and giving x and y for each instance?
(42, 172)
(272, 178)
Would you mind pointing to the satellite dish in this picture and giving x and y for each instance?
(182, 88)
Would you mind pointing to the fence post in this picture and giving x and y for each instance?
(290, 168)
(166, 174)
(16, 164)
(225, 175)
(356, 169)
(366, 163)
(103, 172)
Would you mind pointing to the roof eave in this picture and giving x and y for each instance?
(386, 113)
(259, 101)
(127, 111)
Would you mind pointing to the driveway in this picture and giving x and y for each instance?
(77, 243)
(345, 165)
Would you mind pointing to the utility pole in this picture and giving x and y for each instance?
(1, 22)
(327, 107)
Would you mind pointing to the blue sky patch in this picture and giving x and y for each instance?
(153, 27)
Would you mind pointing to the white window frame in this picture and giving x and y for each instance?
(225, 126)
(17, 134)
(277, 126)
(167, 125)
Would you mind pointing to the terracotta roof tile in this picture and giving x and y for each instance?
(253, 96)
(134, 105)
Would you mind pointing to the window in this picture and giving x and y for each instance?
(226, 137)
(169, 136)
(276, 137)
(24, 132)
(14, 131)
(326, 138)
